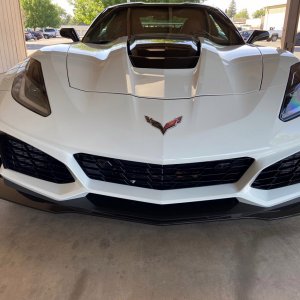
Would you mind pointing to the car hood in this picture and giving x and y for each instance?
(212, 127)
(221, 70)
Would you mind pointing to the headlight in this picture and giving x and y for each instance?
(29, 89)
(291, 104)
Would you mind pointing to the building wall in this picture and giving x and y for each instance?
(12, 44)
(275, 17)
(255, 23)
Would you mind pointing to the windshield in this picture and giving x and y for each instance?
(197, 21)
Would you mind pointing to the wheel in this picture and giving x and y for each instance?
(274, 38)
(46, 36)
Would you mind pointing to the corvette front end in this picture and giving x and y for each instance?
(120, 132)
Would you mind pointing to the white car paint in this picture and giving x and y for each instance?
(108, 69)
(229, 102)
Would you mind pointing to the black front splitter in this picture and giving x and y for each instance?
(184, 213)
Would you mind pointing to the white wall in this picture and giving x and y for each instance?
(12, 44)
(275, 18)
(254, 23)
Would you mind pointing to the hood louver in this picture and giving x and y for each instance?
(164, 51)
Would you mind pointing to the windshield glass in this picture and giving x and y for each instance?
(196, 21)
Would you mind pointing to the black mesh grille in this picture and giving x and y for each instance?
(163, 177)
(283, 173)
(23, 158)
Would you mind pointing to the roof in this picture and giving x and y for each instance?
(275, 6)
(276, 3)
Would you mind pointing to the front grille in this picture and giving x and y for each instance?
(163, 177)
(283, 173)
(23, 158)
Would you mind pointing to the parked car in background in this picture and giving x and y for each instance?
(37, 34)
(246, 34)
(274, 35)
(28, 36)
(49, 33)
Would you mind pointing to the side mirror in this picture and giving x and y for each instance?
(70, 33)
(258, 35)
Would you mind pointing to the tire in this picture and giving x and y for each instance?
(274, 38)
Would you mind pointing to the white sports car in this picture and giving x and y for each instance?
(160, 114)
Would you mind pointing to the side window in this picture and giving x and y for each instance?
(113, 27)
(217, 30)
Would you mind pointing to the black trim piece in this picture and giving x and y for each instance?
(70, 33)
(283, 173)
(163, 177)
(164, 51)
(18, 156)
(115, 208)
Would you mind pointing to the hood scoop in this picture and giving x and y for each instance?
(168, 51)
(146, 68)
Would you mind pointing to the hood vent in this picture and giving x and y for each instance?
(168, 51)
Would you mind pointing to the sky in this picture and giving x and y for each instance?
(251, 5)
(65, 5)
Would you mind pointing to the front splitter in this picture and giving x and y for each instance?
(184, 213)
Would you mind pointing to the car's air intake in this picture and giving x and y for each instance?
(283, 173)
(170, 51)
(26, 159)
(163, 177)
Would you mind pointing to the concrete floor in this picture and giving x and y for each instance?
(47, 256)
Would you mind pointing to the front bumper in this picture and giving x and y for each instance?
(109, 207)
(53, 160)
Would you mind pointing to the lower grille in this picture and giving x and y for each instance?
(283, 173)
(163, 214)
(163, 177)
(23, 158)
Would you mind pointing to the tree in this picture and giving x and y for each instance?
(65, 18)
(242, 14)
(85, 11)
(41, 13)
(231, 11)
(259, 13)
